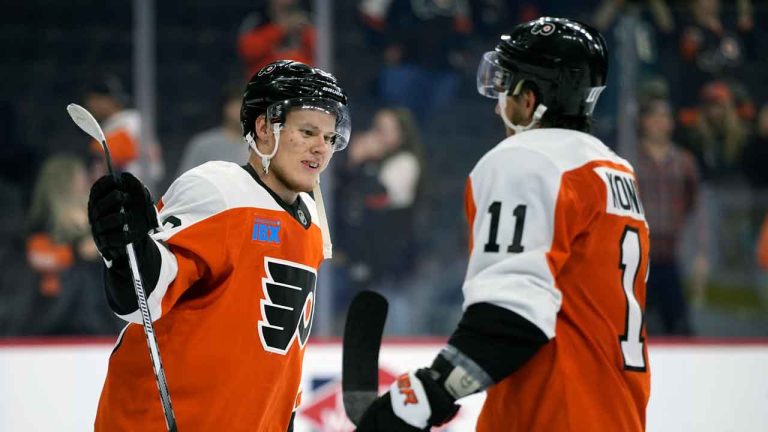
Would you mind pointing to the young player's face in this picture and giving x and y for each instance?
(305, 149)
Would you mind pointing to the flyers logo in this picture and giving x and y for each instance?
(545, 29)
(267, 70)
(288, 307)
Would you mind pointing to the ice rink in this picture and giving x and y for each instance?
(707, 386)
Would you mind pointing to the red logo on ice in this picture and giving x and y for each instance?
(324, 408)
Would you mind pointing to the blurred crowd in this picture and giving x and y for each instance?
(686, 81)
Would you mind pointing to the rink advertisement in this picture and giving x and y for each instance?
(712, 386)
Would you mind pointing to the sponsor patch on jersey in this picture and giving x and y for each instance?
(266, 231)
(622, 193)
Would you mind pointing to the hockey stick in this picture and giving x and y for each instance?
(89, 125)
(360, 356)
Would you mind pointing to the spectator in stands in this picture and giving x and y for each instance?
(107, 100)
(423, 46)
(61, 252)
(282, 31)
(378, 194)
(669, 185)
(647, 28)
(608, 10)
(223, 142)
(711, 47)
(715, 134)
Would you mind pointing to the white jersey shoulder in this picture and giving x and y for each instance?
(570, 150)
(212, 188)
(235, 185)
(566, 149)
(241, 190)
(549, 153)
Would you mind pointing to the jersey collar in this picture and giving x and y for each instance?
(298, 209)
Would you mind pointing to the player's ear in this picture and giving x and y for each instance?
(529, 97)
(525, 95)
(261, 128)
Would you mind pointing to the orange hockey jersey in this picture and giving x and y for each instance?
(558, 236)
(232, 310)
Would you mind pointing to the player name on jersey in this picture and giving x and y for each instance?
(622, 197)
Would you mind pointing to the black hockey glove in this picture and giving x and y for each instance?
(415, 402)
(120, 212)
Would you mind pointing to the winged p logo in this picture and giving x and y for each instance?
(288, 307)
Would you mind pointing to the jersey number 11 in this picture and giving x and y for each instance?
(517, 237)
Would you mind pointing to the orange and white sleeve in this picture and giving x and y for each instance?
(193, 226)
(510, 200)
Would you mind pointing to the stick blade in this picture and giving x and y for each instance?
(363, 330)
(86, 122)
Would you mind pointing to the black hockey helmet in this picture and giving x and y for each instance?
(284, 85)
(566, 60)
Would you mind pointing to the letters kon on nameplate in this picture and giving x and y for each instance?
(623, 197)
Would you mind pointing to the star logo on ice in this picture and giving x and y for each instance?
(325, 410)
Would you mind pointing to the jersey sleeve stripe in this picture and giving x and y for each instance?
(469, 211)
(168, 271)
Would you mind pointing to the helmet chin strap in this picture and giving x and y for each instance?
(322, 218)
(537, 114)
(265, 159)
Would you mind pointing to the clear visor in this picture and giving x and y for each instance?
(492, 79)
(340, 137)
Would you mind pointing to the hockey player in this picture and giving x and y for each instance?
(230, 272)
(554, 292)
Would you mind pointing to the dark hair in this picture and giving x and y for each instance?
(581, 123)
(410, 137)
(649, 104)
(577, 123)
(410, 140)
